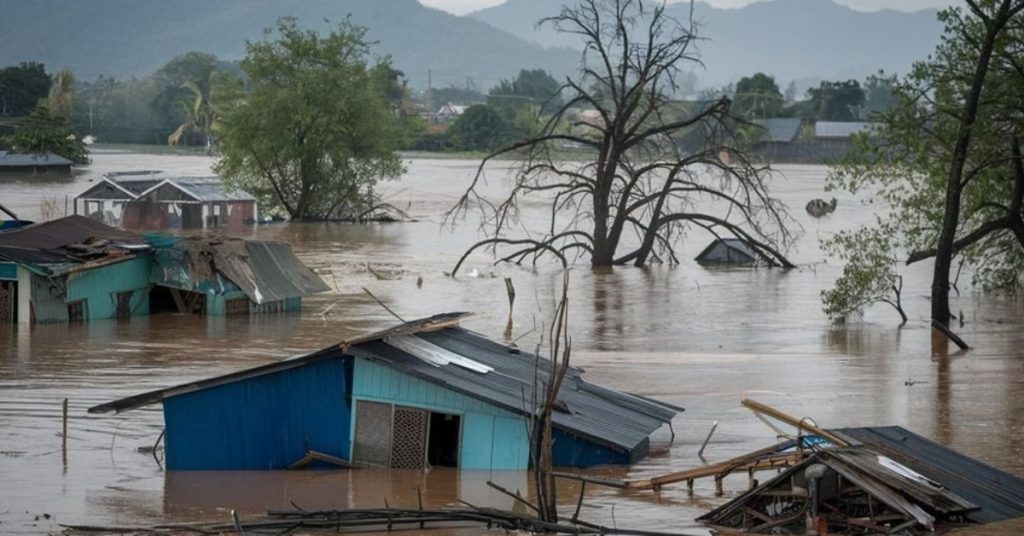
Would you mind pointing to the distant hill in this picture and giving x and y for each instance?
(791, 39)
(135, 37)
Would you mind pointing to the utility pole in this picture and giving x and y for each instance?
(430, 96)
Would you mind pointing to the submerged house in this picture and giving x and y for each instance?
(34, 162)
(730, 251)
(153, 200)
(76, 269)
(888, 480)
(423, 394)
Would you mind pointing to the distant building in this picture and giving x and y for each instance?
(778, 129)
(422, 394)
(151, 200)
(77, 269)
(841, 129)
(34, 162)
(450, 112)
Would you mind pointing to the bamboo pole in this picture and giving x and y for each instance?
(64, 433)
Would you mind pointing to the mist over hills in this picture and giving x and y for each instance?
(791, 39)
(135, 37)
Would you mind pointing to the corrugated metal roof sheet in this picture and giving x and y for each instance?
(597, 413)
(278, 273)
(206, 189)
(47, 243)
(8, 159)
(779, 128)
(999, 495)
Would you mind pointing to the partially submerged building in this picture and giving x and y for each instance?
(34, 162)
(154, 200)
(76, 269)
(731, 251)
(425, 393)
(888, 480)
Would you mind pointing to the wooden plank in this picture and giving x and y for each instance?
(799, 424)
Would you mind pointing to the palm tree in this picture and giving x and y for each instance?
(62, 92)
(200, 115)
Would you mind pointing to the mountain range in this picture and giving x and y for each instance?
(790, 39)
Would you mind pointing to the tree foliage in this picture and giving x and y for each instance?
(316, 132)
(757, 96)
(533, 88)
(47, 132)
(947, 156)
(869, 273)
(479, 128)
(22, 87)
(638, 190)
(837, 101)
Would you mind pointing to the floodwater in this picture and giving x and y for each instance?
(703, 339)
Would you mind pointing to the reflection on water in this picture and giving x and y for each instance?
(695, 337)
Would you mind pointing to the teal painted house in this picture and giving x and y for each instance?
(77, 269)
(423, 394)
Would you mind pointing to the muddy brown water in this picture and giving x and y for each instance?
(700, 338)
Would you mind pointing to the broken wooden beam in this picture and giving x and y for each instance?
(799, 424)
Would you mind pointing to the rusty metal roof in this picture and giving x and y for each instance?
(53, 242)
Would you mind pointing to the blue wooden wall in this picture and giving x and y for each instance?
(571, 450)
(262, 423)
(492, 438)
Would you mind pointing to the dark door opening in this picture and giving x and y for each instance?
(171, 300)
(443, 444)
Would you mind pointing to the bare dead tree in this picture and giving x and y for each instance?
(655, 167)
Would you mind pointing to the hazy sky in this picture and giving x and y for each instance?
(463, 6)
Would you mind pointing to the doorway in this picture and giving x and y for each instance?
(443, 443)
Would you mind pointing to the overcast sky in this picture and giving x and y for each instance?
(464, 6)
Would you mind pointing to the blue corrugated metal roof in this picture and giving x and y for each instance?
(602, 415)
(8, 159)
(206, 189)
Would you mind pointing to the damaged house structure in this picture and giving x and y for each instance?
(77, 269)
(426, 393)
(880, 480)
(154, 200)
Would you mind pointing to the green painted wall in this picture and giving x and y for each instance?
(100, 287)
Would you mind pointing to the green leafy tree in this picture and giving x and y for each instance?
(47, 132)
(878, 93)
(947, 157)
(530, 88)
(837, 101)
(479, 128)
(869, 273)
(316, 132)
(757, 96)
(22, 87)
